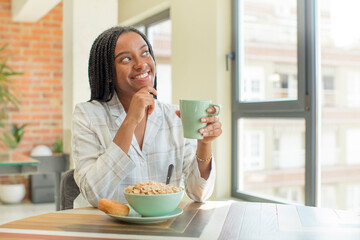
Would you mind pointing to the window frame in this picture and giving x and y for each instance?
(159, 17)
(305, 107)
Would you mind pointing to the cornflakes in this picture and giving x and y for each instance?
(152, 188)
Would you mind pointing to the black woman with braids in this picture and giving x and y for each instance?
(124, 135)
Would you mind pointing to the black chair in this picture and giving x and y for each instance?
(69, 190)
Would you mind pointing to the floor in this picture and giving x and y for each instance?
(12, 212)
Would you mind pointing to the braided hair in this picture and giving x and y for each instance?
(102, 76)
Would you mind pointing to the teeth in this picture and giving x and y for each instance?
(142, 75)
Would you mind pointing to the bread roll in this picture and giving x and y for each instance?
(113, 207)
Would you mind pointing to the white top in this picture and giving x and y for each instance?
(103, 170)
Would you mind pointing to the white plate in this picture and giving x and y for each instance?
(134, 217)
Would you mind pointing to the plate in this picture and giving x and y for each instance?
(134, 217)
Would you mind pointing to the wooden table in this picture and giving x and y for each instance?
(212, 220)
(17, 163)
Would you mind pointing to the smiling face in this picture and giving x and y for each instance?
(134, 66)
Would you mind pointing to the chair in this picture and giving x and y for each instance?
(68, 190)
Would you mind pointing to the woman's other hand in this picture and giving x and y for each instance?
(212, 130)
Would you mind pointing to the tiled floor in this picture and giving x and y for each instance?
(12, 212)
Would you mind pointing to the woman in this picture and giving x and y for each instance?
(123, 135)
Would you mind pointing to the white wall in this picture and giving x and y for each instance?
(83, 21)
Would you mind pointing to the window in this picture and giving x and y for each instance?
(353, 197)
(339, 57)
(268, 27)
(329, 197)
(329, 146)
(158, 30)
(328, 82)
(268, 102)
(267, 160)
(353, 89)
(254, 80)
(291, 194)
(296, 102)
(352, 146)
(253, 151)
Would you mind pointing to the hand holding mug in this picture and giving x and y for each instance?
(200, 120)
(213, 126)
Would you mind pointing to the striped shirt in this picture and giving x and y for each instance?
(103, 170)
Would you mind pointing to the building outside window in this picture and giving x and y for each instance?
(353, 197)
(253, 153)
(301, 93)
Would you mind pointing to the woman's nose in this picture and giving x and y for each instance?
(140, 64)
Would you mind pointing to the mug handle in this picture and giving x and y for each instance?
(218, 109)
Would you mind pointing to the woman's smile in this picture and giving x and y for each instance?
(142, 76)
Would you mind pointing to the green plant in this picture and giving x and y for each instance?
(58, 146)
(6, 95)
(7, 98)
(14, 139)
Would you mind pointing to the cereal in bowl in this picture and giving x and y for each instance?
(151, 188)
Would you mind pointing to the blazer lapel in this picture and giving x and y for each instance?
(153, 125)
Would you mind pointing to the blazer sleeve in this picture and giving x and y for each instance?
(99, 167)
(197, 188)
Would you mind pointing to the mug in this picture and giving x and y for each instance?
(191, 112)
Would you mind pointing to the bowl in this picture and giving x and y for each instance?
(41, 150)
(154, 205)
(12, 193)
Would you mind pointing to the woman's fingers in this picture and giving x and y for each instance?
(147, 90)
(146, 94)
(142, 102)
(211, 110)
(151, 108)
(177, 112)
(213, 129)
(213, 133)
(210, 119)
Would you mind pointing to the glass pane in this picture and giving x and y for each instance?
(340, 104)
(272, 157)
(159, 35)
(269, 35)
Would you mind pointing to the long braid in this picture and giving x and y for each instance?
(110, 68)
(113, 76)
(102, 74)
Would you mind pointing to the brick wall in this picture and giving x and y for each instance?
(36, 50)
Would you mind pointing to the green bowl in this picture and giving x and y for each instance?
(154, 205)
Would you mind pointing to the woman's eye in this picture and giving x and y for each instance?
(146, 52)
(125, 59)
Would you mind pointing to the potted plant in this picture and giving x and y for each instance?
(58, 146)
(7, 98)
(13, 192)
(6, 95)
(13, 139)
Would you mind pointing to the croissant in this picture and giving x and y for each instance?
(113, 207)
